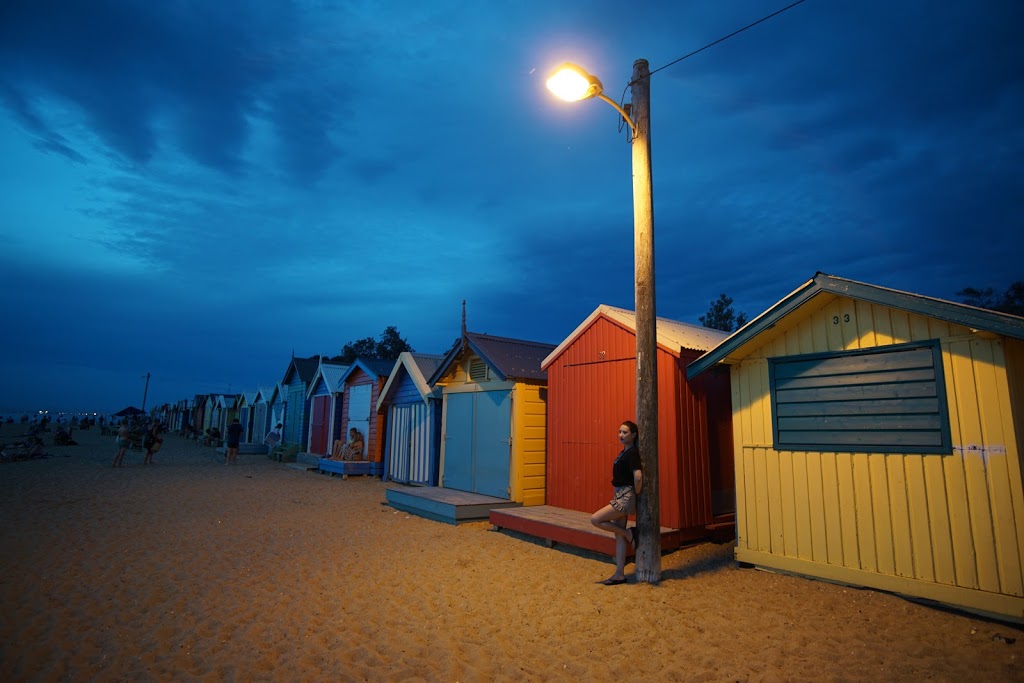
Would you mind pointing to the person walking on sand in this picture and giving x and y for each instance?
(123, 441)
(234, 437)
(627, 479)
(152, 443)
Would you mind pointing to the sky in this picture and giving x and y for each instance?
(198, 190)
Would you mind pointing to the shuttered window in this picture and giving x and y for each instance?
(889, 399)
(477, 370)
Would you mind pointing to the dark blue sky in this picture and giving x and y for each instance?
(195, 189)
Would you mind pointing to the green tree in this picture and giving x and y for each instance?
(391, 344)
(387, 347)
(1010, 301)
(366, 347)
(722, 316)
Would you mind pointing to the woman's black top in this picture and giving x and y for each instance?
(624, 466)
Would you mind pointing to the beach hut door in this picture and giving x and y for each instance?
(359, 411)
(477, 442)
(410, 443)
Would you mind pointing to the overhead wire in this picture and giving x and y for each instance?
(622, 99)
(724, 38)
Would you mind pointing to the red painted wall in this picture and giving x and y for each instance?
(591, 390)
(374, 445)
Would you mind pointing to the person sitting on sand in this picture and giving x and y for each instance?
(124, 439)
(212, 436)
(353, 450)
(24, 451)
(63, 438)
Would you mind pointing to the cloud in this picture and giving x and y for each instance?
(46, 138)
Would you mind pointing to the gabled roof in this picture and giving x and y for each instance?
(259, 395)
(822, 283)
(331, 373)
(305, 367)
(510, 359)
(276, 392)
(673, 335)
(419, 366)
(371, 366)
(227, 400)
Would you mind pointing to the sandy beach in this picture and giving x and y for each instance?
(192, 570)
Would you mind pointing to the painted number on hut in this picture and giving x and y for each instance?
(846, 318)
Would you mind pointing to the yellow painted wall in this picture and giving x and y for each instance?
(948, 527)
(529, 444)
(528, 458)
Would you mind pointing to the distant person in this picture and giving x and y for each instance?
(274, 437)
(234, 437)
(152, 443)
(627, 480)
(34, 448)
(63, 438)
(124, 439)
(353, 450)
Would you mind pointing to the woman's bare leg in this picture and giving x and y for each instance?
(610, 519)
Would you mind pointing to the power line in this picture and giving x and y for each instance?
(724, 38)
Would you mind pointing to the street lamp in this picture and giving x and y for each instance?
(572, 83)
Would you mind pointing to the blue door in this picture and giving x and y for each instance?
(493, 444)
(478, 442)
(458, 442)
(243, 418)
(294, 427)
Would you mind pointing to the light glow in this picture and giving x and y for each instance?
(572, 84)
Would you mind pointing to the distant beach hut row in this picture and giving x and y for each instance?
(850, 432)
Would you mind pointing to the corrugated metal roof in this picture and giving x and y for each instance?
(511, 358)
(419, 367)
(275, 392)
(948, 311)
(381, 368)
(427, 363)
(371, 366)
(305, 367)
(332, 374)
(673, 335)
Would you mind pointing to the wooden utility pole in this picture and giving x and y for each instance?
(144, 392)
(648, 519)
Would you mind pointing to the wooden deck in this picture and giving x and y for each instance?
(445, 505)
(350, 467)
(571, 527)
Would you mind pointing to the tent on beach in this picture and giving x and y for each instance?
(130, 411)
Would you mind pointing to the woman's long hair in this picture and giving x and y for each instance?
(635, 431)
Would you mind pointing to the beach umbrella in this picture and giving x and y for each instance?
(128, 412)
